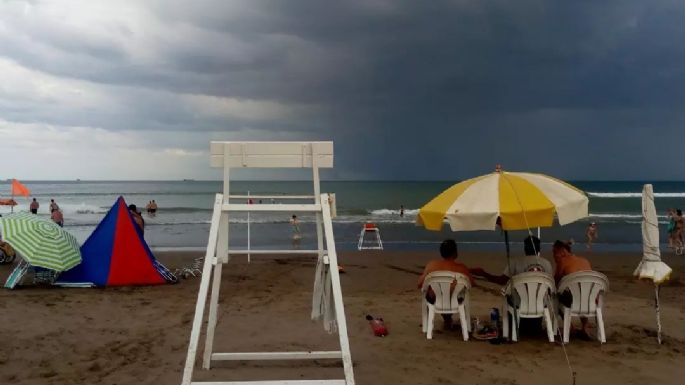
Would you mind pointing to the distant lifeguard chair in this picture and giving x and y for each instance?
(327, 302)
(370, 228)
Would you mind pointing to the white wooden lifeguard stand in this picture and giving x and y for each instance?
(370, 228)
(229, 155)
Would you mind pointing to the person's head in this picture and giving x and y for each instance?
(294, 216)
(679, 212)
(34, 199)
(531, 245)
(448, 249)
(561, 249)
(52, 200)
(132, 208)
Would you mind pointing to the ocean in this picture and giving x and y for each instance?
(185, 210)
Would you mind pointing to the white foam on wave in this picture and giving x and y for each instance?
(387, 212)
(67, 208)
(635, 195)
(616, 216)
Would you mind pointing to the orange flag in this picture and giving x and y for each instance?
(19, 189)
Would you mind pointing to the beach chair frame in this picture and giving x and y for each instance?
(535, 291)
(448, 300)
(229, 155)
(588, 289)
(367, 229)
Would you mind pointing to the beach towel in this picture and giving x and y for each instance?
(323, 305)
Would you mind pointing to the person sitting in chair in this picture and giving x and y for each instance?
(567, 263)
(448, 262)
(531, 261)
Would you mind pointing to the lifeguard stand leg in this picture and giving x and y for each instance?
(210, 255)
(337, 294)
(222, 257)
(213, 310)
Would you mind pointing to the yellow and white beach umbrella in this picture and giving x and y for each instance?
(522, 201)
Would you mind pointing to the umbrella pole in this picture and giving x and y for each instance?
(658, 315)
(506, 241)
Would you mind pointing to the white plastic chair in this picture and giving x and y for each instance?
(447, 300)
(535, 291)
(587, 289)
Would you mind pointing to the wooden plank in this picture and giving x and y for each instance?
(337, 292)
(265, 208)
(271, 154)
(272, 196)
(202, 293)
(259, 356)
(271, 161)
(271, 148)
(211, 323)
(277, 382)
(274, 252)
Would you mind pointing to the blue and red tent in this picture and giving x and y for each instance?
(116, 254)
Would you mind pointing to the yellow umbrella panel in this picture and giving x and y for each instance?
(521, 200)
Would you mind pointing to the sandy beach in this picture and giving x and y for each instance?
(139, 335)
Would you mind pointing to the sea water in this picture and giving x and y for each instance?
(185, 208)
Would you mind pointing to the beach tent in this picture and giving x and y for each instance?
(116, 254)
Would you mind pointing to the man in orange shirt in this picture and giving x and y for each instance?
(448, 251)
(567, 263)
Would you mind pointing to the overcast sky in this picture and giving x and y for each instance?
(406, 89)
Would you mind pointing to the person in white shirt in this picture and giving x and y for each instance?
(531, 261)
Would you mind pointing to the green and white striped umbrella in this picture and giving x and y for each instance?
(40, 241)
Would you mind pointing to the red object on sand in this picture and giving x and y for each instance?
(378, 326)
(8, 202)
(369, 226)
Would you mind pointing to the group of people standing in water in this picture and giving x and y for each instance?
(55, 212)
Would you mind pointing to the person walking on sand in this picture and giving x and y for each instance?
(591, 234)
(153, 207)
(34, 206)
(57, 217)
(401, 211)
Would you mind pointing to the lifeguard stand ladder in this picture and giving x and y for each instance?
(371, 229)
(229, 155)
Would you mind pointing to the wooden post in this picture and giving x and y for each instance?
(210, 256)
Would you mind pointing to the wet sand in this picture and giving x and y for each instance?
(139, 335)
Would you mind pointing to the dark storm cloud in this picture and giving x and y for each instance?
(407, 89)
